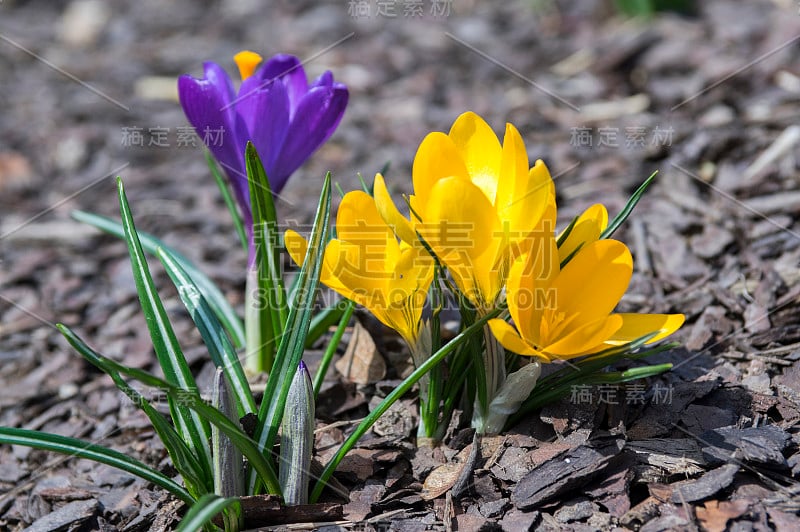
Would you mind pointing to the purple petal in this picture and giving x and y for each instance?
(290, 71)
(265, 112)
(314, 122)
(324, 80)
(207, 105)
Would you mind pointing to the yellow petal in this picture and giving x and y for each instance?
(593, 282)
(513, 169)
(510, 339)
(459, 219)
(247, 62)
(356, 267)
(295, 245)
(588, 338)
(541, 186)
(523, 195)
(518, 285)
(390, 214)
(637, 325)
(437, 157)
(588, 227)
(540, 176)
(481, 151)
(459, 227)
(358, 220)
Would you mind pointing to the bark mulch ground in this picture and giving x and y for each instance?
(709, 99)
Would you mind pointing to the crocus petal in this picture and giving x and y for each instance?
(288, 69)
(510, 339)
(593, 282)
(351, 272)
(388, 211)
(324, 80)
(637, 325)
(512, 188)
(358, 221)
(459, 226)
(480, 150)
(528, 290)
(437, 157)
(588, 338)
(207, 105)
(297, 246)
(313, 122)
(532, 196)
(459, 218)
(588, 227)
(265, 111)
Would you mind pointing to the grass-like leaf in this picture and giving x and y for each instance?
(226, 196)
(97, 453)
(216, 339)
(220, 306)
(626, 211)
(202, 513)
(590, 370)
(324, 320)
(327, 357)
(184, 460)
(190, 399)
(194, 429)
(266, 237)
(293, 340)
(394, 395)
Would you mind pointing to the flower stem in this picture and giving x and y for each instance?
(494, 362)
(257, 328)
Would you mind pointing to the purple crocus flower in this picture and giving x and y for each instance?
(286, 118)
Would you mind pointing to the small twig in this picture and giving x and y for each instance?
(756, 356)
(337, 424)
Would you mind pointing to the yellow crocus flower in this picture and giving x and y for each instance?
(367, 264)
(561, 314)
(476, 203)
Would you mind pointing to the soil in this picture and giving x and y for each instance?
(708, 98)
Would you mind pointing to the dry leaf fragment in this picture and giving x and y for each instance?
(361, 362)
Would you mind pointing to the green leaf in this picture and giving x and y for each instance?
(324, 320)
(270, 279)
(626, 211)
(327, 357)
(394, 395)
(229, 201)
(587, 370)
(190, 399)
(150, 243)
(216, 339)
(203, 512)
(81, 449)
(566, 232)
(194, 430)
(228, 464)
(294, 336)
(184, 460)
(297, 439)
